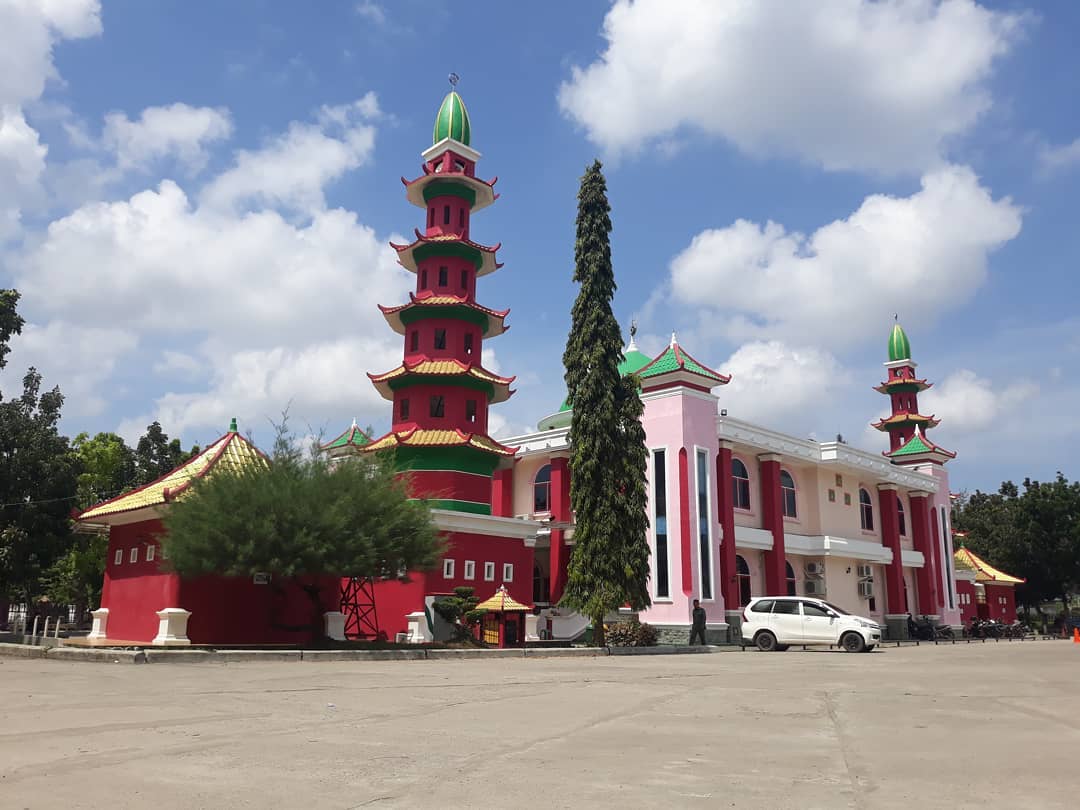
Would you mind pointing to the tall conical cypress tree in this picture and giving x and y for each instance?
(609, 566)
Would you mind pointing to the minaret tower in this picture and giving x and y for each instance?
(440, 392)
(903, 388)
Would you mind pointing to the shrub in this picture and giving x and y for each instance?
(632, 633)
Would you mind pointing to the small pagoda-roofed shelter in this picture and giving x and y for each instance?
(350, 443)
(503, 624)
(144, 602)
(985, 591)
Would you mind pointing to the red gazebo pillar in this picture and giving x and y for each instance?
(772, 507)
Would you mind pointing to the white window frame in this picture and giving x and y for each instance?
(133, 555)
(489, 572)
(448, 569)
(150, 550)
(668, 486)
(470, 569)
(709, 466)
(118, 558)
(508, 572)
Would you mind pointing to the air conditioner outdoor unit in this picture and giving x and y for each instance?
(814, 588)
(815, 569)
(866, 590)
(865, 572)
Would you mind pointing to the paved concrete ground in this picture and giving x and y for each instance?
(918, 727)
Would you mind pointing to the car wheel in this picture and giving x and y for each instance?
(782, 647)
(869, 647)
(853, 643)
(766, 641)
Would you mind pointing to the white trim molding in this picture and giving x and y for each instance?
(511, 528)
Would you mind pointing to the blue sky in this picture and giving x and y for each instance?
(195, 200)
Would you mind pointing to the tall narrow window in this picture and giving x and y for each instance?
(414, 341)
(542, 489)
(787, 492)
(150, 549)
(789, 577)
(403, 409)
(663, 575)
(704, 524)
(465, 281)
(446, 215)
(423, 279)
(134, 555)
(437, 407)
(431, 216)
(468, 343)
(866, 511)
(440, 338)
(740, 484)
(118, 558)
(742, 571)
(470, 410)
(461, 218)
(444, 277)
(901, 518)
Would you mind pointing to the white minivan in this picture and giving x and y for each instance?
(777, 622)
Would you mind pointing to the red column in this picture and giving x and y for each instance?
(729, 583)
(502, 493)
(685, 541)
(560, 513)
(772, 510)
(926, 577)
(890, 537)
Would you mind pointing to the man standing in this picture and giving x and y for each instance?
(697, 628)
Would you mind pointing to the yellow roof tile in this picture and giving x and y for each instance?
(984, 572)
(231, 451)
(501, 602)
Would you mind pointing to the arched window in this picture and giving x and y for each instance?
(787, 492)
(790, 577)
(866, 511)
(743, 573)
(542, 489)
(900, 517)
(740, 484)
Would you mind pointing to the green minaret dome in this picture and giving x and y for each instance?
(452, 120)
(899, 347)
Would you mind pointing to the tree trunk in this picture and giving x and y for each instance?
(599, 636)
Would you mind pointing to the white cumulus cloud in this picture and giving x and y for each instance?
(847, 84)
(178, 130)
(918, 256)
(968, 403)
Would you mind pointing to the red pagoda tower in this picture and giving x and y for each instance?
(441, 392)
(909, 447)
(906, 426)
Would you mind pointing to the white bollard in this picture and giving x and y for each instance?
(45, 631)
(56, 629)
(34, 633)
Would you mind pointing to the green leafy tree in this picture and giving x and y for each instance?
(76, 578)
(156, 455)
(609, 566)
(10, 322)
(300, 518)
(108, 467)
(37, 485)
(460, 611)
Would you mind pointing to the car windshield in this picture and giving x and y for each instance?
(839, 610)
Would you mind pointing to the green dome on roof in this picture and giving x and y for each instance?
(899, 347)
(452, 120)
(633, 362)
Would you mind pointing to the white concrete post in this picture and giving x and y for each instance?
(101, 621)
(419, 631)
(334, 625)
(45, 631)
(56, 629)
(34, 632)
(172, 628)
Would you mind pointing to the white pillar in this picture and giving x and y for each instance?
(45, 631)
(101, 621)
(172, 628)
(334, 625)
(419, 631)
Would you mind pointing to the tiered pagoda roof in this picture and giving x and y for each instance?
(984, 572)
(897, 385)
(502, 602)
(498, 388)
(675, 360)
(903, 418)
(231, 452)
(418, 437)
(448, 244)
(352, 438)
(919, 448)
(492, 321)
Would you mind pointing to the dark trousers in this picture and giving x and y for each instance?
(697, 632)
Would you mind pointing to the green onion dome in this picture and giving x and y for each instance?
(452, 120)
(899, 347)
